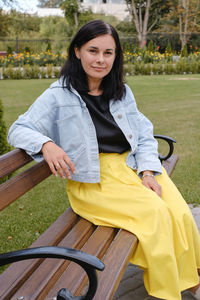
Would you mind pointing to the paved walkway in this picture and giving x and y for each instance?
(131, 286)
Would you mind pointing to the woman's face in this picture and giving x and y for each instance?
(97, 57)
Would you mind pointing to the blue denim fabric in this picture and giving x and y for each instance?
(61, 116)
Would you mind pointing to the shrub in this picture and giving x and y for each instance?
(56, 72)
(137, 68)
(8, 73)
(27, 72)
(129, 69)
(49, 71)
(157, 69)
(4, 146)
(150, 46)
(27, 49)
(17, 74)
(194, 67)
(43, 73)
(35, 72)
(184, 51)
(169, 69)
(169, 48)
(146, 69)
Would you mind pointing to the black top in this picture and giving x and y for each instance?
(110, 137)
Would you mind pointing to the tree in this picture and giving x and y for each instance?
(5, 22)
(71, 10)
(146, 16)
(186, 14)
(23, 22)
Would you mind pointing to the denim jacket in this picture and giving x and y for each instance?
(61, 116)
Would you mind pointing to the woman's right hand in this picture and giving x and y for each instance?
(57, 160)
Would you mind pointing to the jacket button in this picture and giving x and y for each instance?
(130, 136)
(119, 116)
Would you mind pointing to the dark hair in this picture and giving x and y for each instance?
(73, 73)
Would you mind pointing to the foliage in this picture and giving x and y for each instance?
(4, 21)
(4, 146)
(42, 59)
(72, 10)
(54, 26)
(150, 46)
(169, 48)
(23, 22)
(184, 52)
(30, 72)
(126, 27)
(146, 16)
(183, 17)
(144, 62)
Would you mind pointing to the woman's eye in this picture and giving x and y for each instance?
(92, 50)
(108, 53)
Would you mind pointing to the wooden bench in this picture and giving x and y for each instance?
(42, 278)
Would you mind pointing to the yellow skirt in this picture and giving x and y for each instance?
(169, 242)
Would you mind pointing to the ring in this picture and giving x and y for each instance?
(57, 165)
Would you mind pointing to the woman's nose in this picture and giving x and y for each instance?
(100, 57)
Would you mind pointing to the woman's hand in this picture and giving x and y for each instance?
(57, 160)
(150, 182)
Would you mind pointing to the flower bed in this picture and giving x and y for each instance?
(41, 59)
(47, 64)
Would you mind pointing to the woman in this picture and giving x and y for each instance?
(87, 127)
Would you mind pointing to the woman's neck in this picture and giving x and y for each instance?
(94, 87)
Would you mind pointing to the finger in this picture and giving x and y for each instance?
(52, 168)
(157, 190)
(65, 169)
(59, 169)
(70, 164)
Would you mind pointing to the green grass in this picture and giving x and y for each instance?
(172, 103)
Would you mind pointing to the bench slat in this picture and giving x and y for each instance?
(74, 278)
(12, 161)
(170, 164)
(116, 260)
(16, 274)
(22, 183)
(51, 269)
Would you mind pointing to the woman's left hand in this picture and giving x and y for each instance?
(151, 183)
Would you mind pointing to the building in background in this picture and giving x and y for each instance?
(117, 8)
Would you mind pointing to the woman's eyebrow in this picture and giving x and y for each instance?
(109, 49)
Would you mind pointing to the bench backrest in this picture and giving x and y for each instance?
(21, 183)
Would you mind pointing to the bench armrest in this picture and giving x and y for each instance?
(170, 142)
(88, 262)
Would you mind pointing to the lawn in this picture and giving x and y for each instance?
(172, 103)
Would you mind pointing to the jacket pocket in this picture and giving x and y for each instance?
(70, 134)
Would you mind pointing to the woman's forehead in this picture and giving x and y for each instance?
(103, 41)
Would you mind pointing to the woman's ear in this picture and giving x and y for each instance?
(77, 52)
